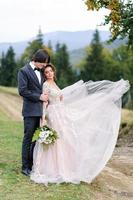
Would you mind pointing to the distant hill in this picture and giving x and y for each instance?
(75, 41)
(77, 55)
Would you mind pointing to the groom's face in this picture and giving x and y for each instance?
(40, 65)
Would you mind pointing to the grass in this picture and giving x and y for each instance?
(127, 116)
(10, 90)
(125, 137)
(15, 186)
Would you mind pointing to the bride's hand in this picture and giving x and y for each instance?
(44, 97)
(43, 121)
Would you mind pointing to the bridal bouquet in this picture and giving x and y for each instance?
(45, 135)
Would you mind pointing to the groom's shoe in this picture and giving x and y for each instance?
(26, 172)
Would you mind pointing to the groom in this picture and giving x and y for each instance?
(30, 81)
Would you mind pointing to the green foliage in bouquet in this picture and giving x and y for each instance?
(45, 135)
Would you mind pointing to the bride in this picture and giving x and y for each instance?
(86, 116)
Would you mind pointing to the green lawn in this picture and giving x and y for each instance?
(10, 90)
(15, 186)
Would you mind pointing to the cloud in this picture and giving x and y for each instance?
(21, 19)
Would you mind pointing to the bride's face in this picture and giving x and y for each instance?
(49, 73)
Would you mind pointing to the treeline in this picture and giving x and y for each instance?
(98, 64)
(9, 65)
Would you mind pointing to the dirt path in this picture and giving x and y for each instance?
(11, 105)
(117, 177)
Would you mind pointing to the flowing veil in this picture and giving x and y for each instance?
(81, 89)
(95, 109)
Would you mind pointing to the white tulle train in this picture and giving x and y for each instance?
(87, 121)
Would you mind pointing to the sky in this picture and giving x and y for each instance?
(20, 20)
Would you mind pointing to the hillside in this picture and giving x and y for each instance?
(115, 182)
(10, 103)
(77, 55)
(74, 40)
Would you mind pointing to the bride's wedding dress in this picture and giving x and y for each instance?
(87, 122)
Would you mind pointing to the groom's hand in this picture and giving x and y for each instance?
(44, 97)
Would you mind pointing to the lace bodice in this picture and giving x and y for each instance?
(54, 92)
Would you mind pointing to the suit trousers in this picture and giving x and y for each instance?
(30, 125)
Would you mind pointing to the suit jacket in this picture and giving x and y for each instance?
(30, 89)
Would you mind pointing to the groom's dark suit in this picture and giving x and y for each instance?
(30, 89)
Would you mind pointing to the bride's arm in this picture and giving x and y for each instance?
(43, 121)
(45, 105)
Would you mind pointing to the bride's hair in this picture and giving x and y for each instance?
(53, 69)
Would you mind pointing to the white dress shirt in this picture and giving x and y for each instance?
(36, 72)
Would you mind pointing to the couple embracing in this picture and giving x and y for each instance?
(86, 116)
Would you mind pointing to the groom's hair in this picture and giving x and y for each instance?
(41, 56)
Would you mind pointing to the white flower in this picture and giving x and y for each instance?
(47, 136)
(43, 134)
(40, 141)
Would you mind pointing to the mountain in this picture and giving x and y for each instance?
(73, 40)
(77, 55)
